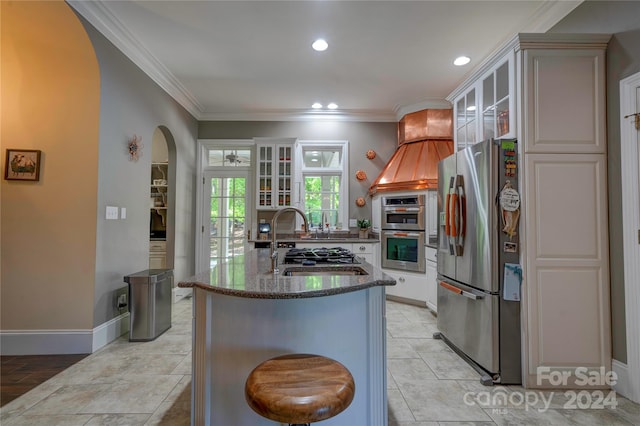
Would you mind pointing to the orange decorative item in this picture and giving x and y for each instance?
(371, 154)
(361, 175)
(360, 202)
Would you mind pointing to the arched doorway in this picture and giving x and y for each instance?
(162, 200)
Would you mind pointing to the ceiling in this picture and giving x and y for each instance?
(252, 60)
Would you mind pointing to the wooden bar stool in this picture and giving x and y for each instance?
(299, 388)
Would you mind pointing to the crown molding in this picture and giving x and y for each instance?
(303, 115)
(547, 15)
(99, 15)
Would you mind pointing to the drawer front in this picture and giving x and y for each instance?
(157, 246)
(361, 248)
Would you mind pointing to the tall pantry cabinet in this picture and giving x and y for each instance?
(558, 108)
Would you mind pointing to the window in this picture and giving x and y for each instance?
(227, 157)
(321, 170)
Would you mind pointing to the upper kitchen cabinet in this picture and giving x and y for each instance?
(274, 174)
(484, 104)
(465, 111)
(564, 96)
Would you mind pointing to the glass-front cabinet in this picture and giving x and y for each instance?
(466, 122)
(495, 103)
(274, 174)
(485, 108)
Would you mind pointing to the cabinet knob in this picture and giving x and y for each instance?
(401, 279)
(362, 248)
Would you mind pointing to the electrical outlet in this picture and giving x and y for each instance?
(121, 300)
(353, 223)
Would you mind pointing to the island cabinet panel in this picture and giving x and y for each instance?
(232, 335)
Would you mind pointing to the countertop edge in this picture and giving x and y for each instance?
(292, 295)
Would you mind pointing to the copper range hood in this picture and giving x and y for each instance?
(425, 138)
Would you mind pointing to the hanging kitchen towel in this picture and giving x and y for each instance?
(512, 281)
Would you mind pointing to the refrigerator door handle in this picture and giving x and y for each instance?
(450, 216)
(459, 291)
(461, 210)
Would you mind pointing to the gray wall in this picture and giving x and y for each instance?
(132, 104)
(622, 19)
(381, 137)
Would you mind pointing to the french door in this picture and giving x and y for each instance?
(226, 215)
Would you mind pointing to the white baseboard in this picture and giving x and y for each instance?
(623, 385)
(62, 342)
(110, 331)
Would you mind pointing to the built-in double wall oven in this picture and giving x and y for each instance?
(403, 232)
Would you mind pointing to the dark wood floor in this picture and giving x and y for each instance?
(20, 374)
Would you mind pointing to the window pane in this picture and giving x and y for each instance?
(322, 158)
(322, 200)
(229, 158)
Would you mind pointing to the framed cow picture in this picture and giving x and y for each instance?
(22, 164)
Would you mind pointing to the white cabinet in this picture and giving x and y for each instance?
(157, 254)
(486, 108)
(564, 103)
(565, 215)
(367, 251)
(274, 175)
(410, 287)
(466, 119)
(432, 278)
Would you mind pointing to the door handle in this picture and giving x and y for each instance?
(459, 291)
(461, 215)
(447, 206)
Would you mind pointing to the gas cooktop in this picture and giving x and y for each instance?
(311, 256)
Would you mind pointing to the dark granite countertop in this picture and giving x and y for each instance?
(248, 276)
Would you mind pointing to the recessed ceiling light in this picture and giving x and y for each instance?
(461, 60)
(316, 105)
(332, 105)
(320, 45)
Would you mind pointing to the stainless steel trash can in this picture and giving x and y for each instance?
(149, 303)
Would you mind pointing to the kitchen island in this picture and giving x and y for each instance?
(244, 314)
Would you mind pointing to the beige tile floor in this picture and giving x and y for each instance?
(148, 383)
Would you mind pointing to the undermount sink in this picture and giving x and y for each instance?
(298, 271)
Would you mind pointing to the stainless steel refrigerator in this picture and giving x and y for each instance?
(478, 246)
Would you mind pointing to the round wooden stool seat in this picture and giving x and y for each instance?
(299, 388)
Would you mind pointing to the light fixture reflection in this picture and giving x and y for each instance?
(320, 45)
(316, 105)
(461, 60)
(332, 105)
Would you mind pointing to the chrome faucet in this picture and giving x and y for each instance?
(274, 241)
